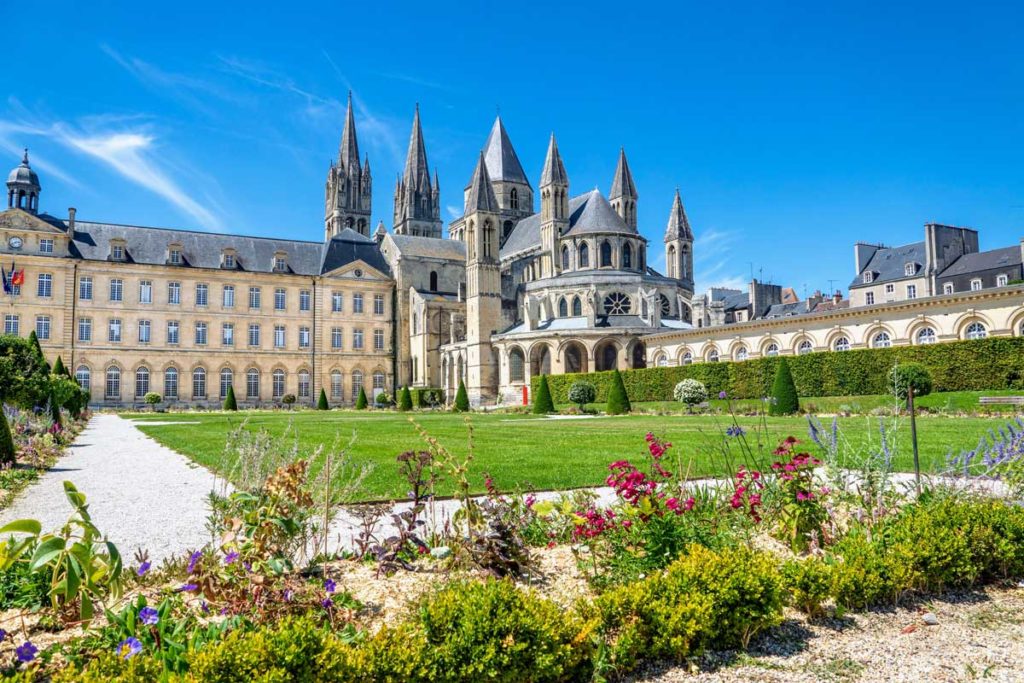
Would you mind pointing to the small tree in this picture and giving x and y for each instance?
(152, 398)
(907, 375)
(785, 400)
(229, 400)
(461, 398)
(691, 392)
(542, 401)
(361, 401)
(59, 369)
(405, 400)
(7, 452)
(618, 399)
(34, 340)
(321, 403)
(288, 400)
(581, 393)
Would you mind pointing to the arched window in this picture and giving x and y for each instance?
(687, 359)
(113, 388)
(584, 256)
(741, 353)
(252, 383)
(577, 306)
(670, 261)
(881, 341)
(712, 356)
(336, 385)
(606, 254)
(565, 258)
(666, 305)
(617, 303)
(772, 349)
(516, 366)
(170, 384)
(661, 361)
(357, 383)
(277, 380)
(226, 380)
(627, 256)
(804, 348)
(926, 335)
(563, 308)
(433, 281)
(976, 331)
(842, 344)
(83, 377)
(513, 199)
(141, 381)
(199, 383)
(303, 383)
(378, 380)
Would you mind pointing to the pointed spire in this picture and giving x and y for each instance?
(500, 155)
(417, 173)
(622, 184)
(678, 223)
(24, 158)
(480, 195)
(348, 151)
(366, 164)
(437, 182)
(554, 169)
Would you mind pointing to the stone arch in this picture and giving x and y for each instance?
(660, 358)
(563, 308)
(516, 365)
(606, 355)
(684, 355)
(710, 351)
(565, 257)
(574, 356)
(833, 335)
(577, 307)
(763, 346)
(606, 259)
(670, 261)
(799, 344)
(965, 321)
(583, 255)
(637, 354)
(540, 359)
(918, 324)
(871, 336)
(1015, 323)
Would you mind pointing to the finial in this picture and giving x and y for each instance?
(24, 159)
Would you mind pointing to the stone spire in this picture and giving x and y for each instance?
(501, 158)
(622, 184)
(348, 151)
(417, 202)
(480, 193)
(349, 186)
(417, 174)
(678, 223)
(554, 170)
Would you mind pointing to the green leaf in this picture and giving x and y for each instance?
(23, 526)
(46, 551)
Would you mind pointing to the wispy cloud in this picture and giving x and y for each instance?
(14, 138)
(453, 210)
(714, 260)
(416, 80)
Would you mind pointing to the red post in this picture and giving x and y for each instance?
(526, 395)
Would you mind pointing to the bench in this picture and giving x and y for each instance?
(1001, 400)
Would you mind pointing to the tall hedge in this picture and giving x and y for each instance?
(421, 397)
(785, 400)
(618, 397)
(7, 452)
(972, 365)
(542, 403)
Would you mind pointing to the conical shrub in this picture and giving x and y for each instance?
(462, 398)
(34, 340)
(542, 401)
(7, 453)
(361, 401)
(405, 400)
(785, 400)
(59, 369)
(321, 403)
(229, 401)
(618, 399)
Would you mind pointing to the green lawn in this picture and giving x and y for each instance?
(526, 451)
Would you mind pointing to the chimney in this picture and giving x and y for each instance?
(838, 296)
(71, 219)
(862, 254)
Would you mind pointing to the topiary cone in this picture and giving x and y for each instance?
(542, 401)
(785, 400)
(618, 399)
(404, 400)
(7, 453)
(462, 398)
(59, 369)
(361, 401)
(321, 403)
(229, 400)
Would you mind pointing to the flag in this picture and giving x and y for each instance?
(6, 280)
(17, 276)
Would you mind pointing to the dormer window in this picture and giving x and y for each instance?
(868, 277)
(280, 262)
(174, 254)
(909, 269)
(227, 259)
(117, 250)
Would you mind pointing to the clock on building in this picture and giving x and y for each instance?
(14, 243)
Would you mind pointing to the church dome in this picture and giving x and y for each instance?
(23, 174)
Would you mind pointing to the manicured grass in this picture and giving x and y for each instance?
(527, 451)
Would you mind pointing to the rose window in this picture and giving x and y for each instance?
(617, 303)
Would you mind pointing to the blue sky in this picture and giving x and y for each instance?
(791, 131)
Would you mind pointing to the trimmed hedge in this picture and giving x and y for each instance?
(420, 396)
(974, 365)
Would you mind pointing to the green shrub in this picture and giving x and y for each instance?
(784, 397)
(542, 403)
(8, 454)
(906, 375)
(229, 401)
(321, 403)
(288, 400)
(461, 398)
(618, 399)
(59, 369)
(496, 631)
(808, 583)
(581, 393)
(691, 392)
(361, 402)
(405, 400)
(428, 397)
(152, 398)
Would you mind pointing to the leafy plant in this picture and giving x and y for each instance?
(809, 584)
(801, 510)
(691, 392)
(785, 400)
(903, 376)
(396, 551)
(152, 398)
(581, 393)
(288, 400)
(8, 454)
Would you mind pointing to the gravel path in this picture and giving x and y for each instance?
(141, 494)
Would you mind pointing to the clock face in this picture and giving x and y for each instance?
(14, 243)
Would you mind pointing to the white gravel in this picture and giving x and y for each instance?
(140, 494)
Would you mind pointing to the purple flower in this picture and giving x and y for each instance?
(203, 606)
(326, 603)
(722, 395)
(193, 560)
(3, 635)
(128, 648)
(230, 557)
(143, 568)
(330, 586)
(288, 594)
(735, 430)
(26, 652)
(186, 588)
(149, 616)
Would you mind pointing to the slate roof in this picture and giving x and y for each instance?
(887, 264)
(622, 183)
(554, 170)
(786, 310)
(430, 247)
(984, 260)
(480, 192)
(588, 213)
(502, 161)
(602, 322)
(349, 246)
(678, 224)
